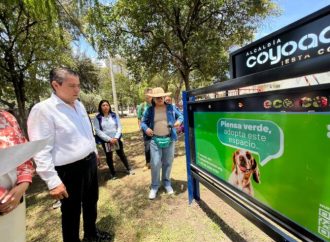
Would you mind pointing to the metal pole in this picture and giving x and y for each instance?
(114, 92)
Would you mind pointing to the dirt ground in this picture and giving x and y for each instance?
(126, 212)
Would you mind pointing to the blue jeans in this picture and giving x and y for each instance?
(161, 158)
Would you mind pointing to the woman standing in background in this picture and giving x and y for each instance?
(108, 129)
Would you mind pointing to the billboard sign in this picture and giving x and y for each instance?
(273, 148)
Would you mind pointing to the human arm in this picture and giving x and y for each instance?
(139, 114)
(146, 121)
(178, 117)
(119, 128)
(99, 132)
(40, 126)
(10, 199)
(139, 111)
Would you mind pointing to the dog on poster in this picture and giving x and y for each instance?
(244, 166)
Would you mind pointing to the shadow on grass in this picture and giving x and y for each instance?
(104, 174)
(231, 233)
(107, 224)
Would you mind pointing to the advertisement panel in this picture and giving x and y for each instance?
(278, 158)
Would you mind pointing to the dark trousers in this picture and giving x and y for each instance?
(147, 150)
(80, 180)
(120, 153)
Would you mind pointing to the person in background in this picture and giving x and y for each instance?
(68, 163)
(140, 111)
(159, 122)
(180, 106)
(108, 129)
(13, 184)
(168, 100)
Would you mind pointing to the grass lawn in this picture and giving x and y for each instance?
(125, 211)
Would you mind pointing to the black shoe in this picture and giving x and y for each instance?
(100, 236)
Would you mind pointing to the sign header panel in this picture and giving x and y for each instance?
(305, 42)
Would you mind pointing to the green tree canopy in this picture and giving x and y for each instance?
(184, 36)
(35, 36)
(88, 73)
(28, 45)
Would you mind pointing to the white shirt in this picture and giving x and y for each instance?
(70, 136)
(110, 128)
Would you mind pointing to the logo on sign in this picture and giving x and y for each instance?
(274, 55)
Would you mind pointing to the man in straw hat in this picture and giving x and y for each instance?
(159, 123)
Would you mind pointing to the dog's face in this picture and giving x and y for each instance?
(246, 164)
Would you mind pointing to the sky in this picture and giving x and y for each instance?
(292, 10)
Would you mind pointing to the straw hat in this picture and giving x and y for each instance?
(158, 92)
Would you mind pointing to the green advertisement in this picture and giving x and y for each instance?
(280, 159)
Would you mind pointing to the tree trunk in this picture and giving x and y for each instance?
(185, 77)
(178, 92)
(17, 79)
(18, 83)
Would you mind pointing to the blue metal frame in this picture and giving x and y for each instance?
(193, 184)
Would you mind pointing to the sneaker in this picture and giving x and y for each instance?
(131, 172)
(56, 204)
(169, 190)
(152, 193)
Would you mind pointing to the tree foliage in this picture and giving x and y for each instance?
(90, 100)
(184, 36)
(88, 73)
(27, 47)
(34, 37)
(128, 92)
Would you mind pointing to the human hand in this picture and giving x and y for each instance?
(113, 141)
(3, 192)
(177, 124)
(149, 132)
(11, 199)
(59, 192)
